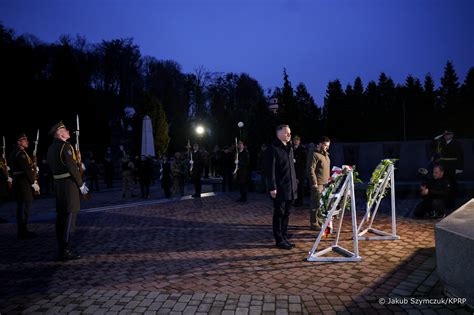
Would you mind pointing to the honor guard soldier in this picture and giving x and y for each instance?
(24, 183)
(68, 185)
(451, 157)
(243, 173)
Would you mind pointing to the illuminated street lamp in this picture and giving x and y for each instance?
(200, 130)
(240, 125)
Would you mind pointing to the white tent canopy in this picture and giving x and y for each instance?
(148, 143)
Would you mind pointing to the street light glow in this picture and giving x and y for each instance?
(199, 130)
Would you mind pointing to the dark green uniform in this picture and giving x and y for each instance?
(23, 177)
(67, 180)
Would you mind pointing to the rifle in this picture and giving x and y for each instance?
(5, 165)
(236, 156)
(79, 163)
(35, 161)
(190, 154)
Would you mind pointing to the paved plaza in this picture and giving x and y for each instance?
(215, 256)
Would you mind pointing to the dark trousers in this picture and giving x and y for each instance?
(67, 205)
(166, 188)
(281, 214)
(24, 200)
(145, 189)
(243, 188)
(23, 210)
(197, 186)
(428, 205)
(65, 225)
(300, 191)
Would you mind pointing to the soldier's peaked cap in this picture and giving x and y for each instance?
(57, 126)
(20, 136)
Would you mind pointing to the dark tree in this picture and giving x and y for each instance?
(334, 110)
(449, 95)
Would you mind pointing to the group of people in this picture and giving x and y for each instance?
(138, 170)
(22, 174)
(285, 166)
(440, 184)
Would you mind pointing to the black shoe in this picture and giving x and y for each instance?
(290, 243)
(68, 255)
(284, 245)
(196, 196)
(241, 200)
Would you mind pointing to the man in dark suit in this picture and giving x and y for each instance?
(435, 194)
(281, 183)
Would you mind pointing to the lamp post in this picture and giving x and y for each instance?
(240, 125)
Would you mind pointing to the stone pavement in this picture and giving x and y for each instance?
(214, 256)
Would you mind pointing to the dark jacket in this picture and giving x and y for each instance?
(320, 169)
(243, 172)
(166, 173)
(280, 171)
(22, 173)
(145, 171)
(198, 165)
(452, 156)
(62, 159)
(300, 162)
(228, 165)
(438, 188)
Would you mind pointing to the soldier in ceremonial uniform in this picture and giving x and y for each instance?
(243, 172)
(24, 183)
(451, 157)
(68, 185)
(196, 173)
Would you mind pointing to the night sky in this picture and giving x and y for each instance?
(316, 40)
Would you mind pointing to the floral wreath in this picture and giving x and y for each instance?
(338, 175)
(376, 180)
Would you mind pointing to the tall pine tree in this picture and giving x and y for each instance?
(449, 96)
